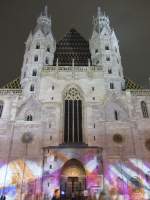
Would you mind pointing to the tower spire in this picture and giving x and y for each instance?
(46, 11)
(99, 11)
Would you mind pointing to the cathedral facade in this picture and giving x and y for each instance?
(74, 124)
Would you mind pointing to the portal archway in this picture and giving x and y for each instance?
(73, 179)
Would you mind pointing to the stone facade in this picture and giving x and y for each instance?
(113, 119)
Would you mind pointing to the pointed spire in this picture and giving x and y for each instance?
(99, 11)
(46, 11)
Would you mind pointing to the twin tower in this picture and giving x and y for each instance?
(101, 51)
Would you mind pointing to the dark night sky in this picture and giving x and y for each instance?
(129, 18)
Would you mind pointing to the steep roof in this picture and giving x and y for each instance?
(72, 46)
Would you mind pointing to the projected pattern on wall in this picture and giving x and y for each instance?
(24, 179)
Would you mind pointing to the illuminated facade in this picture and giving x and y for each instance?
(73, 124)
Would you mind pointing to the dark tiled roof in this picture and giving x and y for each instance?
(131, 84)
(72, 46)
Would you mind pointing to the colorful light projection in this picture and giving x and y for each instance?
(128, 180)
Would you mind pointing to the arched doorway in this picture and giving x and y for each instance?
(73, 116)
(73, 180)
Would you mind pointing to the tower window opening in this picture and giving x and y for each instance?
(93, 98)
(29, 118)
(119, 73)
(106, 47)
(32, 88)
(38, 46)
(107, 58)
(36, 58)
(24, 75)
(96, 50)
(94, 125)
(1, 108)
(97, 62)
(47, 61)
(109, 71)
(48, 49)
(34, 73)
(112, 86)
(144, 109)
(116, 115)
(93, 88)
(53, 87)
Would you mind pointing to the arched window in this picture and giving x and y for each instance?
(32, 88)
(1, 108)
(29, 117)
(36, 58)
(116, 114)
(46, 61)
(144, 109)
(38, 46)
(34, 73)
(73, 116)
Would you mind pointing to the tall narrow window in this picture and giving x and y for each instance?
(1, 108)
(32, 88)
(36, 58)
(111, 86)
(29, 118)
(109, 71)
(34, 73)
(116, 114)
(46, 61)
(144, 109)
(48, 49)
(37, 46)
(73, 117)
(107, 58)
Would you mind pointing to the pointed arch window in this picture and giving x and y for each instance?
(73, 116)
(34, 73)
(144, 109)
(32, 88)
(1, 108)
(29, 117)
